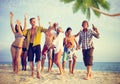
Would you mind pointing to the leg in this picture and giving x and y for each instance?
(37, 60)
(31, 58)
(13, 57)
(70, 66)
(89, 73)
(50, 52)
(32, 68)
(57, 61)
(88, 58)
(64, 60)
(42, 64)
(25, 62)
(63, 65)
(49, 65)
(74, 63)
(43, 57)
(90, 63)
(38, 69)
(18, 58)
(22, 60)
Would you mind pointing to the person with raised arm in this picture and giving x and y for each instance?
(47, 48)
(16, 47)
(24, 49)
(34, 35)
(85, 38)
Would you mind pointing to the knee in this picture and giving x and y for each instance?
(56, 62)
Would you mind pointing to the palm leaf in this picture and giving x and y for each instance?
(67, 1)
(104, 4)
(88, 13)
(76, 6)
(95, 4)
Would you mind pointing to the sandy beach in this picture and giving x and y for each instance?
(23, 77)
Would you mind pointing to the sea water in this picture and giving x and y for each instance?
(97, 66)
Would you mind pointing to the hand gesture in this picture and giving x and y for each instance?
(94, 28)
(25, 16)
(38, 17)
(50, 23)
(11, 14)
(77, 47)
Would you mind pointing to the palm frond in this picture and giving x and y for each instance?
(95, 4)
(104, 4)
(67, 1)
(88, 14)
(77, 5)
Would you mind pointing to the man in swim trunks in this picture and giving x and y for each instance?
(49, 37)
(33, 44)
(70, 42)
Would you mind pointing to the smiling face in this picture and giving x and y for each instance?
(85, 24)
(69, 32)
(33, 21)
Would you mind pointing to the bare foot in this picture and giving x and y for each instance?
(42, 70)
(32, 74)
(91, 76)
(59, 73)
(49, 70)
(87, 78)
(38, 75)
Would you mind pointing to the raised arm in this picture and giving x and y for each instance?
(95, 32)
(11, 22)
(38, 17)
(19, 27)
(25, 24)
(77, 34)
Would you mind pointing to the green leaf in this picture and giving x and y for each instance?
(88, 13)
(104, 4)
(67, 1)
(77, 5)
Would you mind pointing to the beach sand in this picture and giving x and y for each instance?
(23, 77)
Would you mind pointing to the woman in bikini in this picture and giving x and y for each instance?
(16, 47)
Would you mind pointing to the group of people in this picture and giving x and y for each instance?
(62, 44)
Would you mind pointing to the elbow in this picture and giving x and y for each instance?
(98, 36)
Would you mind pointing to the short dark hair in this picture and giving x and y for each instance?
(31, 19)
(85, 21)
(17, 29)
(69, 28)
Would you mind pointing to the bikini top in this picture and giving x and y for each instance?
(18, 35)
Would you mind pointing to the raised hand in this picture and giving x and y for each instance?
(11, 14)
(50, 24)
(18, 22)
(94, 28)
(25, 16)
(38, 17)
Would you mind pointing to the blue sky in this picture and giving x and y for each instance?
(106, 48)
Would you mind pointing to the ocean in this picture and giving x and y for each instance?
(97, 66)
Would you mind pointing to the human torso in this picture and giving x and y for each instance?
(58, 42)
(33, 32)
(86, 39)
(70, 41)
(49, 37)
(18, 40)
(24, 43)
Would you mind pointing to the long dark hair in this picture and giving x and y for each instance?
(17, 29)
